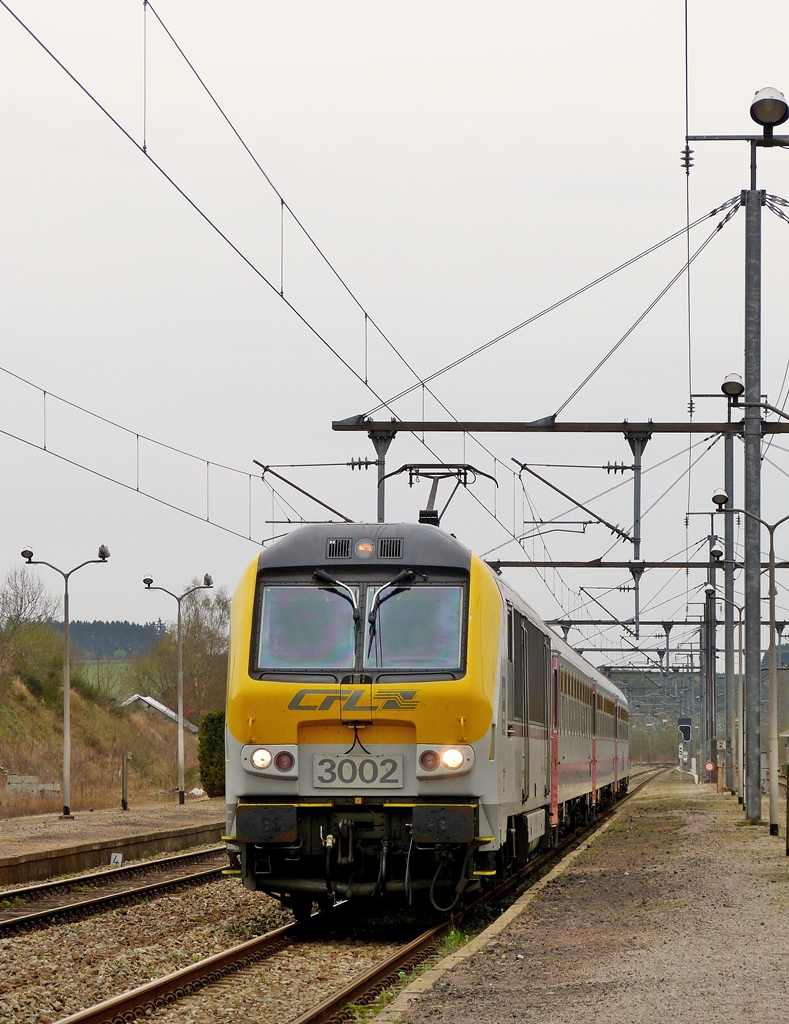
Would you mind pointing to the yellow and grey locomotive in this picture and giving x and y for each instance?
(399, 722)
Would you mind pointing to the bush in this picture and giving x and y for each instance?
(211, 753)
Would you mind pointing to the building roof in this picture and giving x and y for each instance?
(157, 705)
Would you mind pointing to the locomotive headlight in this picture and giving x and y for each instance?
(365, 548)
(453, 758)
(261, 758)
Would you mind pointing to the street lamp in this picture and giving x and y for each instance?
(104, 554)
(738, 709)
(207, 584)
(732, 385)
(768, 108)
(773, 670)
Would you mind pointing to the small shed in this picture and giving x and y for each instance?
(157, 705)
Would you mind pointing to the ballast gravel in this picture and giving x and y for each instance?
(678, 912)
(281, 988)
(49, 973)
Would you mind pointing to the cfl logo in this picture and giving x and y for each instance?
(325, 700)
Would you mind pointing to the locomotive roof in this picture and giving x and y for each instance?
(421, 545)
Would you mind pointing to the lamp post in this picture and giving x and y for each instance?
(769, 109)
(737, 706)
(207, 584)
(104, 554)
(732, 387)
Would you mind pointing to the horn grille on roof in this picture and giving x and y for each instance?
(390, 547)
(338, 547)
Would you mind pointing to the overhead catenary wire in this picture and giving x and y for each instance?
(127, 486)
(650, 307)
(268, 282)
(198, 209)
(671, 486)
(549, 309)
(256, 270)
(286, 207)
(621, 483)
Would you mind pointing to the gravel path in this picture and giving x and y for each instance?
(50, 973)
(677, 912)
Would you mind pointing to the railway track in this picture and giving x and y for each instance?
(160, 993)
(90, 893)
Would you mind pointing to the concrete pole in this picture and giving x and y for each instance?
(753, 200)
(711, 751)
(703, 733)
(712, 661)
(728, 607)
(181, 796)
(381, 439)
(66, 707)
(667, 630)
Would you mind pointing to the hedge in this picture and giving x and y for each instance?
(211, 753)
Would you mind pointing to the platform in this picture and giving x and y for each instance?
(45, 845)
(676, 911)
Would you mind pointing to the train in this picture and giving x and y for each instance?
(401, 724)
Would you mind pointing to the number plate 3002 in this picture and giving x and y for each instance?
(357, 771)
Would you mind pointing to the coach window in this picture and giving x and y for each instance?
(519, 663)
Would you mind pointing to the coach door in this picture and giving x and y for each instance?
(539, 663)
(517, 706)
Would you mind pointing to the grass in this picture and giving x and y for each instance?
(31, 743)
(362, 1013)
(108, 677)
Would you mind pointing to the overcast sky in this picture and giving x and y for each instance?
(462, 166)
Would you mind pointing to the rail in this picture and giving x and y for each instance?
(66, 896)
(146, 999)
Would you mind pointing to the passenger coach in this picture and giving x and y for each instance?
(400, 722)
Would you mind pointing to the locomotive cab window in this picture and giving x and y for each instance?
(418, 628)
(305, 628)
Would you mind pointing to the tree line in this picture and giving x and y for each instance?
(99, 639)
(31, 647)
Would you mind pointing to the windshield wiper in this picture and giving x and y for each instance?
(322, 578)
(394, 586)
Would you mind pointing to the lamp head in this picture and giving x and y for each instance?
(720, 497)
(709, 590)
(148, 580)
(769, 107)
(104, 552)
(27, 554)
(207, 581)
(732, 385)
(716, 550)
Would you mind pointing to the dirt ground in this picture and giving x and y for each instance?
(677, 912)
(51, 832)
